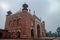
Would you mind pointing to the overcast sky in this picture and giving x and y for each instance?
(48, 10)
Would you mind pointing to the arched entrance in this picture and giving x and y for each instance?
(38, 30)
(18, 34)
(9, 34)
(32, 33)
(0, 35)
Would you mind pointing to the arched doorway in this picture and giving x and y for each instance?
(38, 30)
(1, 35)
(9, 34)
(18, 34)
(32, 33)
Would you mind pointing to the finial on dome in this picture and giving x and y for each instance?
(43, 22)
(25, 6)
(9, 13)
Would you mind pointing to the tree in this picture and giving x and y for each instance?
(54, 34)
(49, 34)
(58, 31)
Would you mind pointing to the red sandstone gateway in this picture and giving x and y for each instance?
(24, 25)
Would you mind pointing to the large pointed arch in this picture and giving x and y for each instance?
(38, 30)
(32, 33)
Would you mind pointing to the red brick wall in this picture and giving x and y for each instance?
(24, 26)
(4, 33)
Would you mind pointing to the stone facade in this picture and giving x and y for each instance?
(24, 25)
(3, 33)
